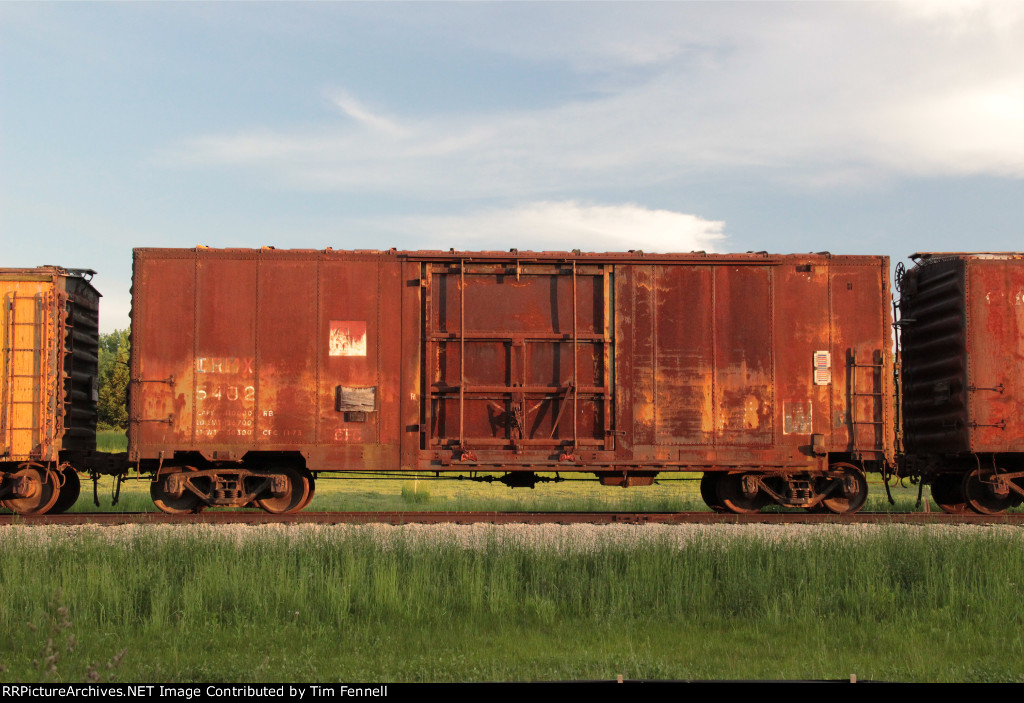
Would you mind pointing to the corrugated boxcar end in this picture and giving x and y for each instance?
(963, 346)
(49, 385)
(925, 257)
(81, 361)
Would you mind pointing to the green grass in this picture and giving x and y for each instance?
(341, 493)
(900, 604)
(111, 441)
(337, 492)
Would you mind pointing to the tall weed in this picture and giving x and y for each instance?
(899, 603)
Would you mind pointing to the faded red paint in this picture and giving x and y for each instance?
(523, 360)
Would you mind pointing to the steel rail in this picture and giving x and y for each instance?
(248, 517)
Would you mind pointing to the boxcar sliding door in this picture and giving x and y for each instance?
(518, 356)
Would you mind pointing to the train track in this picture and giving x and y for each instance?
(248, 517)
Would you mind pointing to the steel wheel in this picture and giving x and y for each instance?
(739, 495)
(984, 494)
(948, 493)
(709, 491)
(851, 493)
(69, 491)
(39, 489)
(311, 482)
(292, 494)
(167, 501)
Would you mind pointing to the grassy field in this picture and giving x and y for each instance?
(307, 603)
(111, 441)
(483, 603)
(429, 494)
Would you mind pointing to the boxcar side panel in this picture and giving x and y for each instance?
(861, 360)
(240, 350)
(368, 360)
(48, 364)
(995, 354)
(804, 326)
(33, 343)
(286, 352)
(682, 368)
(225, 352)
(359, 358)
(721, 360)
(744, 345)
(162, 384)
(634, 358)
(348, 353)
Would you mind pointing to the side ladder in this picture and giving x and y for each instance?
(875, 425)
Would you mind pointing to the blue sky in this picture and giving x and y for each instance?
(858, 128)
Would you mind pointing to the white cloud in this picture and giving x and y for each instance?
(980, 130)
(815, 93)
(355, 109)
(564, 226)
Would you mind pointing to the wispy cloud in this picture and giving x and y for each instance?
(355, 109)
(805, 93)
(564, 226)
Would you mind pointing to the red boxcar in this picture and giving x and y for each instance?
(962, 346)
(252, 369)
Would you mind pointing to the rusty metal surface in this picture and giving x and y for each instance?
(720, 360)
(48, 364)
(518, 358)
(511, 518)
(241, 350)
(963, 337)
(574, 362)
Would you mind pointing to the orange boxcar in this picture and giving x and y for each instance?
(48, 371)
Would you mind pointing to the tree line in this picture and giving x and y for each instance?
(112, 405)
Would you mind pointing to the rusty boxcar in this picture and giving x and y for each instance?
(254, 370)
(48, 370)
(962, 346)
